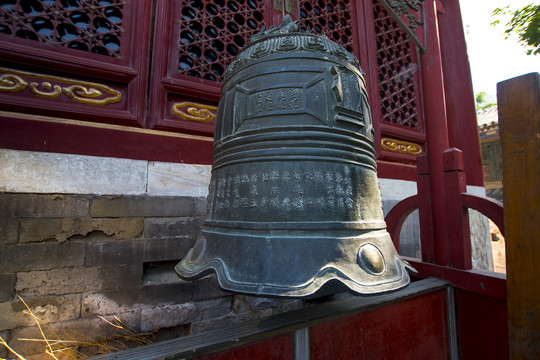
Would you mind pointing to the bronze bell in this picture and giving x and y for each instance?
(293, 200)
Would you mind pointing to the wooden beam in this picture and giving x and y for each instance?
(519, 124)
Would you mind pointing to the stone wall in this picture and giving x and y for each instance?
(87, 240)
(79, 259)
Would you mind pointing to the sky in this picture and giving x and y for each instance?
(492, 58)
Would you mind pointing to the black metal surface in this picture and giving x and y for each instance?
(222, 339)
(294, 200)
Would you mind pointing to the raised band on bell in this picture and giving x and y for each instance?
(294, 203)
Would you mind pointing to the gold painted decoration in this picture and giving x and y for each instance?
(402, 147)
(194, 112)
(51, 87)
(12, 83)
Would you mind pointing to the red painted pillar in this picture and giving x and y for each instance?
(436, 129)
(459, 243)
(460, 107)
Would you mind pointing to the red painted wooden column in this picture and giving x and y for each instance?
(436, 130)
(460, 106)
(455, 182)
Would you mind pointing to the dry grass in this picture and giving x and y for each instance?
(75, 345)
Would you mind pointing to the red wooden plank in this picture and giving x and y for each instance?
(412, 329)
(36, 133)
(278, 348)
(482, 326)
(482, 282)
(460, 107)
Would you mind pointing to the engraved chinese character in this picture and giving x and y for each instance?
(286, 204)
(293, 98)
(281, 105)
(329, 177)
(274, 191)
(298, 190)
(253, 203)
(274, 203)
(317, 176)
(263, 203)
(286, 176)
(269, 101)
(258, 103)
(296, 175)
(274, 176)
(298, 203)
(253, 190)
(339, 190)
(253, 178)
(265, 177)
(244, 178)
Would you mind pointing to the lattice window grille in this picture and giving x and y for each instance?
(88, 25)
(329, 17)
(212, 33)
(396, 71)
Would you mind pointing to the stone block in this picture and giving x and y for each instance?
(40, 172)
(173, 179)
(226, 321)
(167, 248)
(115, 252)
(39, 229)
(13, 314)
(82, 330)
(120, 228)
(34, 205)
(9, 231)
(58, 281)
(41, 256)
(7, 286)
(3, 350)
(147, 206)
(207, 288)
(171, 315)
(167, 227)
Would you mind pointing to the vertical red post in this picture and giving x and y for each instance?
(460, 106)
(459, 237)
(424, 209)
(436, 129)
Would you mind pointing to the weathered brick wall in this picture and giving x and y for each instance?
(74, 258)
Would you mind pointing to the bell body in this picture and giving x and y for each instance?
(293, 200)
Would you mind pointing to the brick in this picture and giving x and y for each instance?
(148, 206)
(7, 287)
(172, 227)
(58, 281)
(47, 310)
(41, 256)
(34, 205)
(9, 231)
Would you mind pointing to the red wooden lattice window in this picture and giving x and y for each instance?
(95, 56)
(75, 59)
